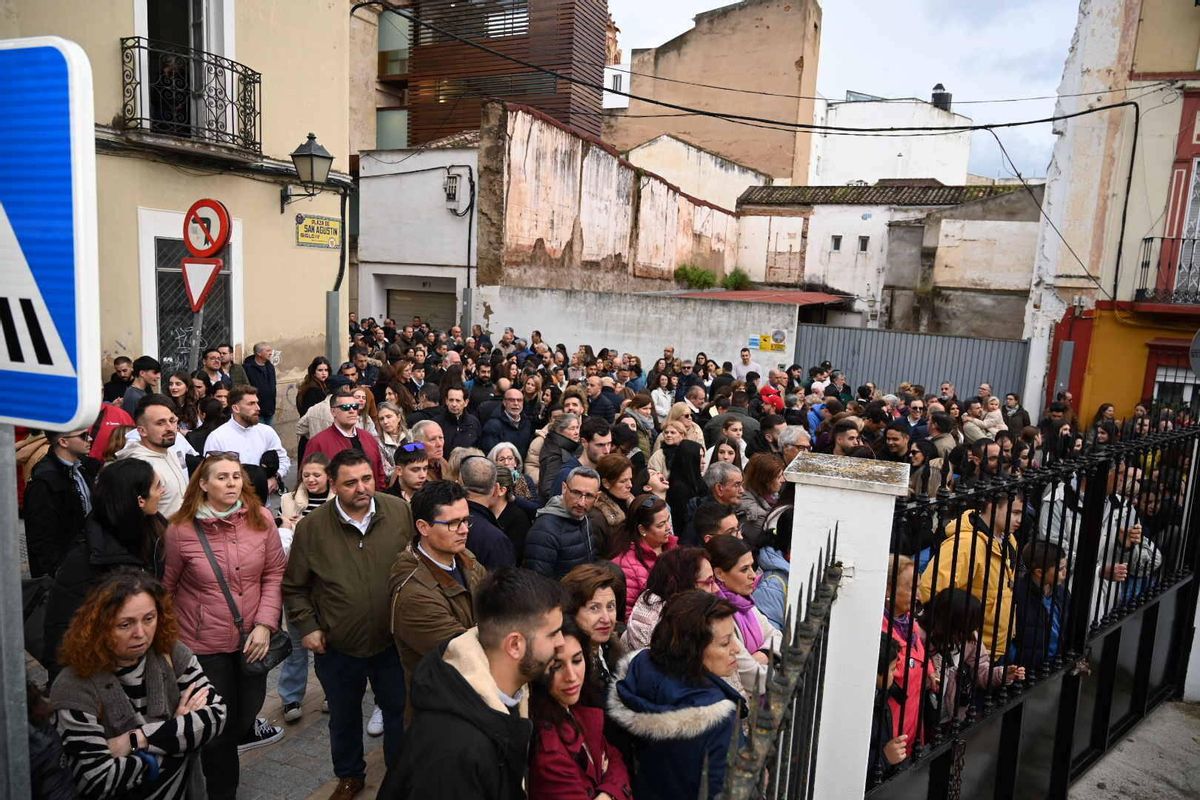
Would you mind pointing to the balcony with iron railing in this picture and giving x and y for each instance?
(185, 94)
(1169, 274)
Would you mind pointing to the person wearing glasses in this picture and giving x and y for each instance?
(435, 578)
(336, 592)
(345, 434)
(561, 538)
(58, 499)
(918, 427)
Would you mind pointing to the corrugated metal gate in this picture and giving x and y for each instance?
(888, 358)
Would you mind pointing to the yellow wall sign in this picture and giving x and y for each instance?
(315, 231)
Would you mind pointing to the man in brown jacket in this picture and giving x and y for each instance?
(434, 580)
(335, 593)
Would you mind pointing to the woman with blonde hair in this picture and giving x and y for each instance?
(222, 544)
(134, 706)
(681, 413)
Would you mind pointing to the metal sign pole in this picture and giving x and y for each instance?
(14, 744)
(197, 333)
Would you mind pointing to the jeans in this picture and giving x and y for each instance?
(293, 672)
(243, 696)
(344, 679)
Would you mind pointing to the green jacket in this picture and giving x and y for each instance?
(337, 578)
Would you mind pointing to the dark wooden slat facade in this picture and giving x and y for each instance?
(448, 80)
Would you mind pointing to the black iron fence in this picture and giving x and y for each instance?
(177, 91)
(1170, 270)
(774, 754)
(1034, 613)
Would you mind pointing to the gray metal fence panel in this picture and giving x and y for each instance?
(888, 358)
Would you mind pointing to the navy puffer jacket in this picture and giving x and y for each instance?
(557, 542)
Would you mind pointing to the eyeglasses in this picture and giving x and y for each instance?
(223, 455)
(453, 525)
(916, 408)
(708, 582)
(348, 406)
(85, 435)
(648, 502)
(413, 447)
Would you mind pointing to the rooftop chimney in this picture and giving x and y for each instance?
(941, 98)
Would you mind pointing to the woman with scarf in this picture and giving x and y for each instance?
(221, 509)
(733, 567)
(639, 543)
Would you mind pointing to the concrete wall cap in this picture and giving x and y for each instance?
(855, 474)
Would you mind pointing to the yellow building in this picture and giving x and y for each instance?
(207, 99)
(1115, 298)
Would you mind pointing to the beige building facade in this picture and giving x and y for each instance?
(761, 45)
(207, 100)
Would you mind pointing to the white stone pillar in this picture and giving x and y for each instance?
(858, 497)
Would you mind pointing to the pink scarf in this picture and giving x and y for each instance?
(744, 617)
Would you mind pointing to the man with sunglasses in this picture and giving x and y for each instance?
(918, 428)
(345, 434)
(58, 498)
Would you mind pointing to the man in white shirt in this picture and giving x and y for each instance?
(158, 428)
(243, 434)
(745, 365)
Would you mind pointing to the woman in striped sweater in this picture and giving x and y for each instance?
(133, 705)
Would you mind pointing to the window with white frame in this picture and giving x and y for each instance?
(863, 243)
(835, 243)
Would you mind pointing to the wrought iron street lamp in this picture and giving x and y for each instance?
(312, 162)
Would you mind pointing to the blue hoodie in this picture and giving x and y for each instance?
(770, 596)
(674, 725)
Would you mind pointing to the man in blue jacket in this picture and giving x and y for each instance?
(561, 538)
(261, 374)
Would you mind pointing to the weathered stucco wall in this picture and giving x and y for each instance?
(560, 211)
(696, 171)
(838, 160)
(638, 323)
(770, 46)
(985, 255)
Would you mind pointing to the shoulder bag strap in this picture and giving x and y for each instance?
(216, 568)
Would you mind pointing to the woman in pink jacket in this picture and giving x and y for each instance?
(645, 536)
(245, 543)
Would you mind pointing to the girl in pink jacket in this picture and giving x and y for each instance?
(221, 505)
(645, 536)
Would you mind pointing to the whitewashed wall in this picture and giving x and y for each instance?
(641, 324)
(695, 171)
(838, 160)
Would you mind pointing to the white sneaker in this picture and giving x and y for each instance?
(375, 726)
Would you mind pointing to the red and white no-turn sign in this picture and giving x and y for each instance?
(206, 228)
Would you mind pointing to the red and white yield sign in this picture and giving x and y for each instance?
(199, 278)
(206, 228)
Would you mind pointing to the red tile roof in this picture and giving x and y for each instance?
(784, 296)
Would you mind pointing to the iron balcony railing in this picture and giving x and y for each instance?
(1170, 270)
(190, 94)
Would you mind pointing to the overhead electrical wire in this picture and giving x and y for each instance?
(836, 129)
(782, 124)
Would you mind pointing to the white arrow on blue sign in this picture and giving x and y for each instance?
(49, 263)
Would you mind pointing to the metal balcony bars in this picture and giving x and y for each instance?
(177, 91)
(1169, 270)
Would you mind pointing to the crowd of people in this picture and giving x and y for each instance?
(562, 574)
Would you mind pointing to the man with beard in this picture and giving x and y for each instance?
(157, 427)
(243, 435)
(470, 730)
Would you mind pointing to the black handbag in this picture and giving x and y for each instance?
(280, 646)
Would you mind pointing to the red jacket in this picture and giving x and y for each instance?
(636, 572)
(561, 767)
(331, 442)
(252, 562)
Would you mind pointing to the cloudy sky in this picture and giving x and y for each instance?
(979, 50)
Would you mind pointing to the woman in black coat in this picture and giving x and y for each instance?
(124, 529)
(562, 445)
